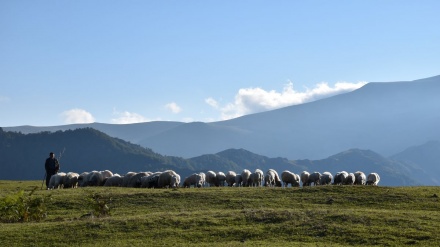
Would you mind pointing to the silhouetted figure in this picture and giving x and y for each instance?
(52, 167)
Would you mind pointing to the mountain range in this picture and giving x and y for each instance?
(385, 117)
(22, 157)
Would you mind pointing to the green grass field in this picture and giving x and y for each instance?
(315, 216)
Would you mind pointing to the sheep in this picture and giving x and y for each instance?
(326, 178)
(230, 178)
(202, 178)
(56, 181)
(277, 178)
(95, 178)
(314, 178)
(269, 178)
(135, 180)
(82, 179)
(211, 178)
(168, 178)
(245, 175)
(126, 178)
(256, 178)
(290, 178)
(150, 181)
(238, 180)
(360, 178)
(193, 179)
(305, 178)
(70, 180)
(350, 179)
(340, 178)
(114, 181)
(221, 178)
(373, 179)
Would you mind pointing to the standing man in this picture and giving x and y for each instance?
(52, 167)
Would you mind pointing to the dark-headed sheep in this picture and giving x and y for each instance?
(373, 179)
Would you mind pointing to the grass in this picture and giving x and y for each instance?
(315, 216)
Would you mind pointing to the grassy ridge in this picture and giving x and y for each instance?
(323, 216)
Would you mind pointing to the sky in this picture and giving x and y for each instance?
(120, 62)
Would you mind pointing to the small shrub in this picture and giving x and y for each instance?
(22, 207)
(99, 205)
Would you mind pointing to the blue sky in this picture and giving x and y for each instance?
(108, 61)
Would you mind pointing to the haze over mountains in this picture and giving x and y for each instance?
(384, 117)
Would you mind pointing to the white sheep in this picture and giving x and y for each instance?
(230, 178)
(221, 178)
(290, 178)
(326, 178)
(151, 181)
(277, 178)
(211, 178)
(269, 179)
(135, 180)
(256, 178)
(168, 179)
(238, 180)
(194, 179)
(305, 178)
(126, 178)
(114, 181)
(245, 176)
(56, 181)
(350, 179)
(340, 178)
(70, 180)
(373, 179)
(314, 178)
(82, 179)
(360, 178)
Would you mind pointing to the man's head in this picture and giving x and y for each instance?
(52, 154)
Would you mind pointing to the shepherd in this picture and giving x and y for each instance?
(52, 167)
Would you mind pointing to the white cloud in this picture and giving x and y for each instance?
(253, 100)
(173, 107)
(128, 118)
(212, 102)
(75, 116)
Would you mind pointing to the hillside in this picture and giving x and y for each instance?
(423, 161)
(22, 156)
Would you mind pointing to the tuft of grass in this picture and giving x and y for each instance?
(315, 216)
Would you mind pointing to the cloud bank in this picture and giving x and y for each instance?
(75, 116)
(253, 100)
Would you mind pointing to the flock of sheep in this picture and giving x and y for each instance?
(170, 179)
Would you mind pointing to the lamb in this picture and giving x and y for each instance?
(245, 175)
(114, 181)
(373, 179)
(340, 178)
(70, 180)
(360, 178)
(230, 178)
(305, 178)
(314, 178)
(326, 178)
(290, 178)
(350, 179)
(193, 179)
(211, 178)
(56, 181)
(168, 179)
